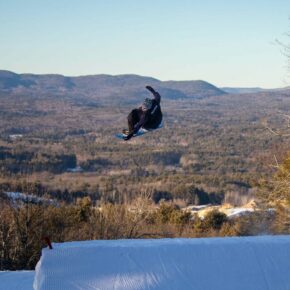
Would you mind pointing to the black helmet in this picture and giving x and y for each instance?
(147, 104)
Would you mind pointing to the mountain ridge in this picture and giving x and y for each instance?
(103, 85)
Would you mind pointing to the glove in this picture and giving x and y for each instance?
(149, 88)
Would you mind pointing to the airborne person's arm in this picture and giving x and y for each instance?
(156, 95)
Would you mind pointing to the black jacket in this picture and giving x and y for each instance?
(152, 118)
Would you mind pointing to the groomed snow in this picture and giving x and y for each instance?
(248, 263)
(16, 280)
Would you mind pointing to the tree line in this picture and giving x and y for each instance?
(23, 228)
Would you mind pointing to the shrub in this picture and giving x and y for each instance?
(214, 220)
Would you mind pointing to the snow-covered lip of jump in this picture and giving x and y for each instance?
(252, 263)
(129, 243)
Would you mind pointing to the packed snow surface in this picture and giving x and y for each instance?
(16, 280)
(244, 263)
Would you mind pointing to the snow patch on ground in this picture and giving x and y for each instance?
(15, 136)
(19, 196)
(16, 280)
(229, 210)
(238, 211)
(75, 169)
(252, 263)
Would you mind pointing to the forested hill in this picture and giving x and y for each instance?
(120, 87)
(253, 90)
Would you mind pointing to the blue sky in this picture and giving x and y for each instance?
(225, 42)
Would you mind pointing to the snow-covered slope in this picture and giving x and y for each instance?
(16, 280)
(251, 263)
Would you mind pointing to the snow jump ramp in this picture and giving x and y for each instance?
(239, 263)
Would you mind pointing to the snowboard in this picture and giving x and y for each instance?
(141, 132)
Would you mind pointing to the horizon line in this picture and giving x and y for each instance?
(140, 75)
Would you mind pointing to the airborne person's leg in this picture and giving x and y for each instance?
(133, 119)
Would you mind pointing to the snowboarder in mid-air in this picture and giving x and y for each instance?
(148, 116)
